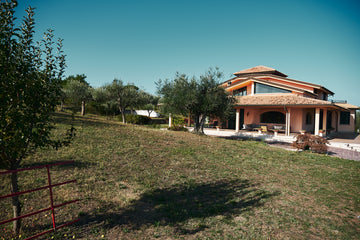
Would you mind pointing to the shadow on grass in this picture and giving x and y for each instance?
(175, 205)
(67, 118)
(76, 163)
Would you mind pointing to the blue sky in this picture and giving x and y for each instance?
(143, 41)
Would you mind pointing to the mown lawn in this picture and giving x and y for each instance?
(141, 183)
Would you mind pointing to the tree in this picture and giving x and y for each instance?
(125, 95)
(149, 102)
(30, 76)
(201, 97)
(103, 101)
(77, 91)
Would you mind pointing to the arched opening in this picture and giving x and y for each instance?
(272, 117)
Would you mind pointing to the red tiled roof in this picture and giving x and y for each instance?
(279, 100)
(260, 69)
(347, 105)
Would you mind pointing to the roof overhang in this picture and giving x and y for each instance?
(285, 99)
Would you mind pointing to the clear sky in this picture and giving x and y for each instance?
(140, 42)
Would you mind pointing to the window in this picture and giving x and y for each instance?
(240, 92)
(323, 96)
(345, 118)
(272, 117)
(262, 88)
(308, 119)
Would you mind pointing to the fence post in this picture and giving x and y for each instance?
(51, 196)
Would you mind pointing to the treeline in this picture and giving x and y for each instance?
(110, 99)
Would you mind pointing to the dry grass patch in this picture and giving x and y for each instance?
(142, 183)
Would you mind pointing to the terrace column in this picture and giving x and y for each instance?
(317, 121)
(324, 120)
(237, 121)
(287, 123)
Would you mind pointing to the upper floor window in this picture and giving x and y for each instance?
(262, 88)
(345, 118)
(240, 92)
(323, 96)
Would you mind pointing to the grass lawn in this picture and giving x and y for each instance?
(141, 183)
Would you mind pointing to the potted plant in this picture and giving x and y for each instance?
(302, 131)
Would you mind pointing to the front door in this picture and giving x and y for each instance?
(231, 120)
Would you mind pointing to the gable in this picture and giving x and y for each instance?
(276, 87)
(273, 78)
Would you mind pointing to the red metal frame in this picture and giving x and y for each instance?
(52, 206)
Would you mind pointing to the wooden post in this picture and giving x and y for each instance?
(189, 120)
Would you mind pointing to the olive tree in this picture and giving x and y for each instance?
(202, 97)
(30, 76)
(125, 96)
(77, 91)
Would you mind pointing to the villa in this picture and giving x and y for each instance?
(268, 100)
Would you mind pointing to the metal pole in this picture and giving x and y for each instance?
(51, 197)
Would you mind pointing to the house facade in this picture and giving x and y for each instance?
(267, 97)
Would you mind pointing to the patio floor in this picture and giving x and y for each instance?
(348, 141)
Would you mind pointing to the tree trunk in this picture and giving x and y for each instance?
(15, 203)
(199, 121)
(189, 120)
(123, 115)
(202, 123)
(82, 108)
(61, 106)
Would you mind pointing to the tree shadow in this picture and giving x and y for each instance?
(59, 165)
(175, 205)
(66, 118)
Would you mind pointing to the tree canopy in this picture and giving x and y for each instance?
(77, 91)
(202, 97)
(125, 96)
(30, 77)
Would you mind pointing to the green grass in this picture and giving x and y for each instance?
(143, 183)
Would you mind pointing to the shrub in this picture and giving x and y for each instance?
(178, 124)
(178, 128)
(310, 142)
(136, 119)
(178, 121)
(158, 121)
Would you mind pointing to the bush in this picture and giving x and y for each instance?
(310, 142)
(158, 121)
(178, 121)
(135, 119)
(178, 128)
